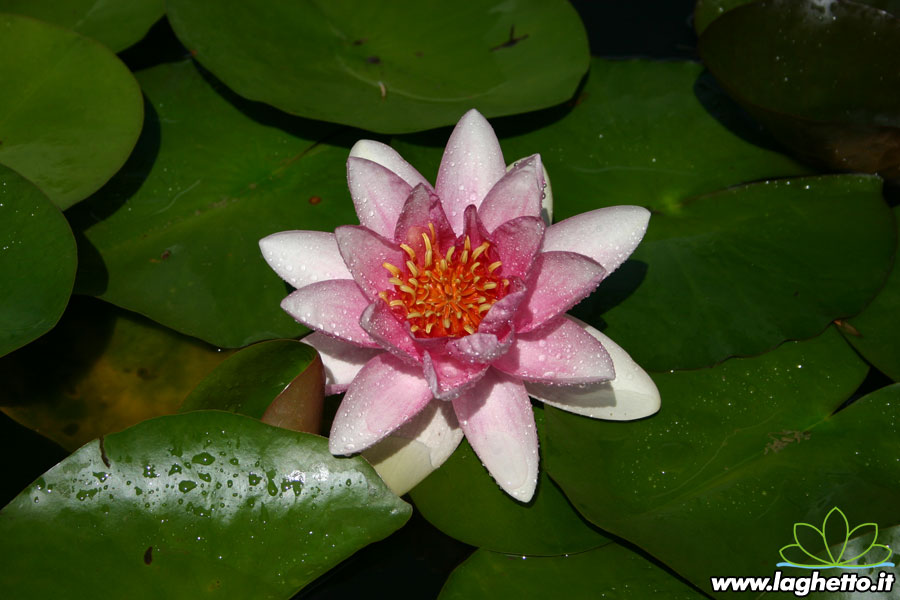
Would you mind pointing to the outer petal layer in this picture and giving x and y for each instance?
(407, 456)
(378, 194)
(472, 164)
(517, 194)
(497, 420)
(333, 307)
(631, 395)
(390, 159)
(385, 394)
(607, 235)
(557, 282)
(304, 257)
(342, 360)
(559, 353)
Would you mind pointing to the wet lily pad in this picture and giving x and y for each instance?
(348, 62)
(37, 262)
(186, 505)
(174, 236)
(100, 370)
(71, 111)
(740, 451)
(116, 24)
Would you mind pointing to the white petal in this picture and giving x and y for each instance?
(304, 257)
(631, 395)
(607, 235)
(388, 158)
(342, 360)
(412, 452)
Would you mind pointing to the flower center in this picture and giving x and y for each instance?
(445, 294)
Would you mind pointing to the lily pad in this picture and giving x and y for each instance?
(37, 262)
(738, 272)
(281, 382)
(116, 24)
(714, 483)
(640, 132)
(464, 502)
(100, 370)
(186, 505)
(817, 75)
(71, 111)
(608, 572)
(177, 229)
(875, 332)
(390, 67)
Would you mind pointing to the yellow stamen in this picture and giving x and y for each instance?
(412, 268)
(494, 266)
(409, 251)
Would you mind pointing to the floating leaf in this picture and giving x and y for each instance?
(280, 382)
(462, 500)
(116, 24)
(177, 229)
(193, 504)
(37, 262)
(100, 370)
(607, 572)
(740, 451)
(70, 111)
(348, 62)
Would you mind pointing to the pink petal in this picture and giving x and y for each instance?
(422, 208)
(390, 159)
(447, 377)
(607, 235)
(559, 353)
(378, 194)
(472, 164)
(386, 394)
(517, 241)
(517, 194)
(304, 257)
(497, 419)
(342, 360)
(382, 325)
(416, 449)
(557, 282)
(333, 307)
(631, 395)
(499, 319)
(365, 253)
(479, 348)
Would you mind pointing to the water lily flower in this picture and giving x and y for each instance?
(444, 309)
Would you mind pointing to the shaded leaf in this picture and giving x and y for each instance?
(70, 113)
(348, 62)
(100, 370)
(187, 505)
(177, 229)
(37, 262)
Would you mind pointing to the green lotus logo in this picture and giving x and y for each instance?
(836, 524)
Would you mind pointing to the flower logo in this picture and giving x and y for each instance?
(874, 555)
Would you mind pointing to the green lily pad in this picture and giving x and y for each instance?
(640, 132)
(609, 572)
(116, 24)
(100, 370)
(875, 332)
(706, 11)
(390, 67)
(71, 111)
(738, 272)
(287, 373)
(188, 505)
(177, 229)
(714, 483)
(462, 500)
(37, 262)
(815, 73)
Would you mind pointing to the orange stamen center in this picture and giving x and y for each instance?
(445, 294)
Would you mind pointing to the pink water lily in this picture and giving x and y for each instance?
(444, 310)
